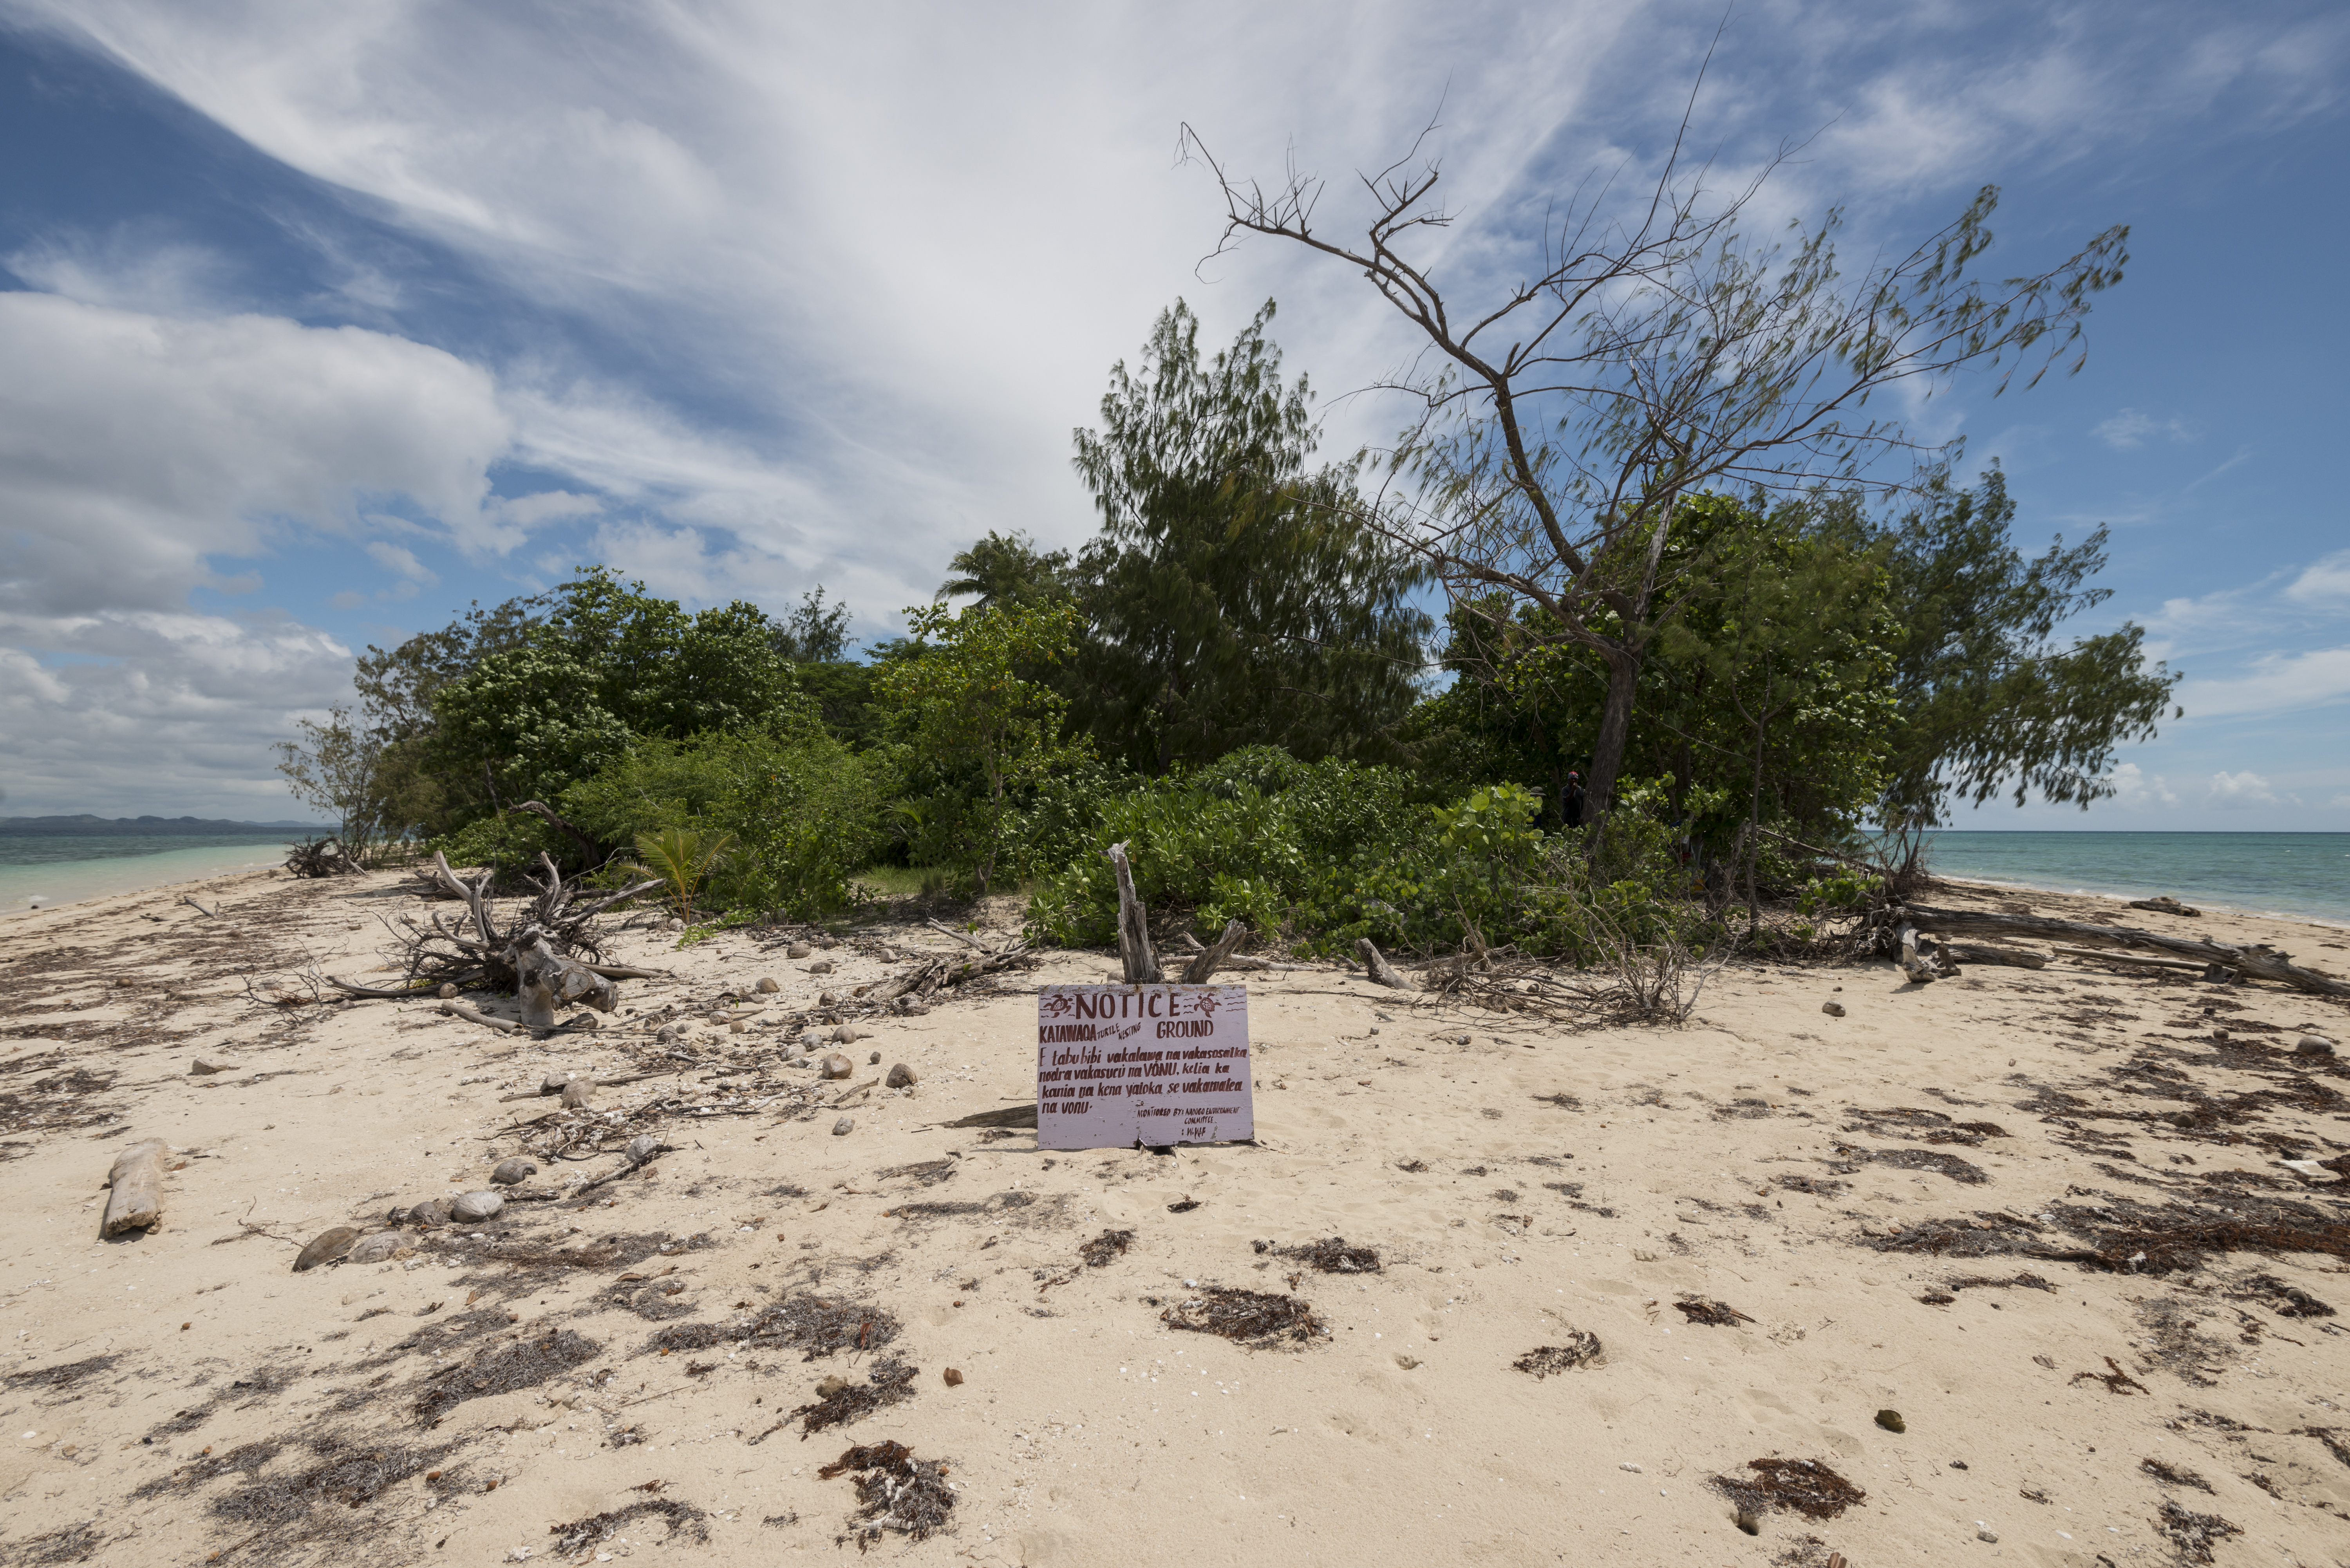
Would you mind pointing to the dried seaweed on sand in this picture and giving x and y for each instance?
(1714, 1314)
(2193, 1533)
(1329, 1256)
(583, 1534)
(895, 1490)
(1581, 1349)
(1806, 1486)
(1245, 1317)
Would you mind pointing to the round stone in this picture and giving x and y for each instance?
(901, 1076)
(844, 1126)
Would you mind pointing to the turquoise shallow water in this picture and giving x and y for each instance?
(68, 869)
(2306, 874)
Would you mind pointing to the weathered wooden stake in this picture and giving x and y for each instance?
(137, 1179)
(1133, 926)
(1209, 959)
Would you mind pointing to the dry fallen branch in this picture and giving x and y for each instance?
(2254, 962)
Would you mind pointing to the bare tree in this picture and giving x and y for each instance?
(1655, 352)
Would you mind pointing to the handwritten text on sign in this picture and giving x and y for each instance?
(1118, 1064)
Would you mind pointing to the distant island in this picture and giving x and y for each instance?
(142, 826)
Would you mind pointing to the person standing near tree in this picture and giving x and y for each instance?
(1570, 804)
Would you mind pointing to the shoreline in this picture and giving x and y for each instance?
(1985, 886)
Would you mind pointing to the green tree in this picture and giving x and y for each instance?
(965, 696)
(1653, 351)
(1234, 597)
(1989, 697)
(1008, 569)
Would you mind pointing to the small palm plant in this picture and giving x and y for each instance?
(681, 857)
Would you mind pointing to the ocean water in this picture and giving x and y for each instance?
(2304, 875)
(69, 868)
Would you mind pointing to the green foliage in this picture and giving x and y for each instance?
(1321, 852)
(680, 857)
(1234, 597)
(505, 842)
(802, 810)
(965, 701)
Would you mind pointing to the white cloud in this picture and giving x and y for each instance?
(2134, 786)
(2277, 682)
(395, 558)
(2323, 583)
(2341, 801)
(2130, 429)
(2246, 788)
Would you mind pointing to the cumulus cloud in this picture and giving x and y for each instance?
(2134, 786)
(2243, 789)
(2272, 683)
(2129, 429)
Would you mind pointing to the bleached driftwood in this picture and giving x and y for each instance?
(2134, 961)
(1918, 966)
(475, 1015)
(1208, 960)
(136, 1200)
(546, 980)
(2252, 960)
(1382, 972)
(1133, 926)
(1987, 952)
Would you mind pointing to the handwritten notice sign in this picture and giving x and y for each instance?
(1120, 1065)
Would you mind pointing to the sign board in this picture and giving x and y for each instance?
(1121, 1064)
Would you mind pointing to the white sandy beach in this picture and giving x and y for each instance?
(183, 1397)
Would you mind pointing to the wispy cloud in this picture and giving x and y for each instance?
(2130, 429)
(2273, 683)
(2241, 790)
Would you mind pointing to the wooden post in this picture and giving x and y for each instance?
(1133, 927)
(137, 1179)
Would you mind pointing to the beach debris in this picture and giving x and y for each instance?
(471, 1014)
(821, 966)
(578, 1094)
(381, 1247)
(321, 857)
(448, 990)
(1582, 1348)
(839, 1401)
(798, 950)
(505, 1371)
(135, 1181)
(433, 1211)
(1245, 1317)
(767, 985)
(554, 1083)
(1747, 1520)
(472, 1207)
(849, 1035)
(2252, 961)
(1987, 1534)
(1331, 1256)
(1023, 1115)
(1833, 1009)
(895, 1490)
(2171, 1476)
(901, 1076)
(2163, 904)
(1918, 960)
(829, 999)
(844, 1126)
(1891, 1421)
(1102, 1249)
(2314, 1045)
(1183, 1206)
(546, 977)
(1381, 972)
(836, 1065)
(326, 1247)
(1205, 962)
(642, 1147)
(1805, 1486)
(2193, 1533)
(1409, 1363)
(575, 1539)
(207, 1067)
(2115, 1380)
(954, 1378)
(511, 1172)
(1990, 953)
(1714, 1314)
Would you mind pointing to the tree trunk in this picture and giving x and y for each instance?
(1211, 960)
(2254, 962)
(1382, 972)
(1615, 731)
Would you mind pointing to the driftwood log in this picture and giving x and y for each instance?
(1382, 972)
(546, 980)
(1133, 926)
(2253, 962)
(136, 1200)
(1985, 952)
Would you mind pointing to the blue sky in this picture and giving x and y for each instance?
(321, 322)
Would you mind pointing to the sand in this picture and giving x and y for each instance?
(184, 1396)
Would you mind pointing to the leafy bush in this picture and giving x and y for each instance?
(1319, 854)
